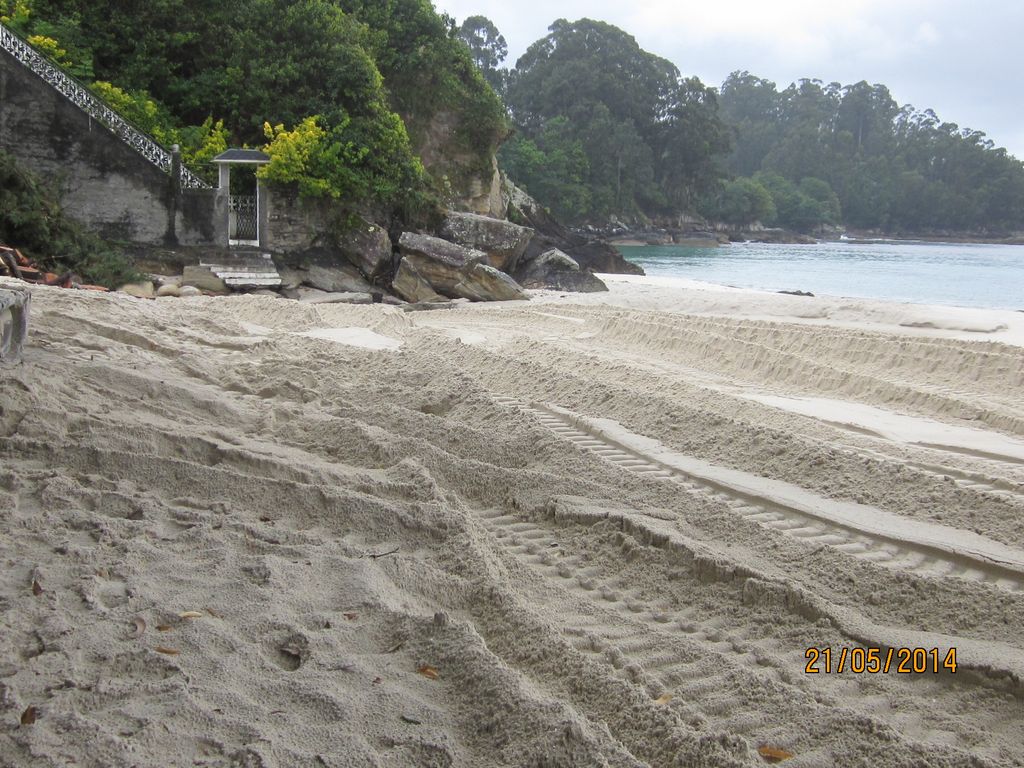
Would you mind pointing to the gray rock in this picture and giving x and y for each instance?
(189, 290)
(554, 269)
(453, 270)
(14, 308)
(202, 277)
(577, 282)
(367, 247)
(316, 296)
(502, 241)
(170, 289)
(341, 278)
(591, 255)
(482, 282)
(392, 301)
(439, 262)
(143, 290)
(292, 278)
(411, 285)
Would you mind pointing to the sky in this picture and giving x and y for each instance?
(965, 60)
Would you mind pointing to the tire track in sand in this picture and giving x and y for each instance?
(922, 554)
(709, 649)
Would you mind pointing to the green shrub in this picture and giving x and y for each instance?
(31, 220)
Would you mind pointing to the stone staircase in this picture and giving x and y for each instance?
(79, 95)
(243, 268)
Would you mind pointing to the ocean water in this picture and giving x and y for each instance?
(965, 275)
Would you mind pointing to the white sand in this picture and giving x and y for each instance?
(608, 525)
(354, 337)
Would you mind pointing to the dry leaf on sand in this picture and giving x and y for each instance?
(37, 588)
(774, 754)
(429, 672)
(665, 698)
(140, 626)
(190, 615)
(167, 651)
(29, 716)
(164, 627)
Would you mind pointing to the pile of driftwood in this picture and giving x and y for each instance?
(15, 264)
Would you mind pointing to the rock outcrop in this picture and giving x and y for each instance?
(554, 269)
(502, 241)
(452, 270)
(591, 255)
(339, 277)
(368, 248)
(482, 282)
(412, 286)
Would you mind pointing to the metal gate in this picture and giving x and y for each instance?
(243, 226)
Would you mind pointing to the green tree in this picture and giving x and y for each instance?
(740, 202)
(891, 168)
(223, 61)
(650, 137)
(488, 48)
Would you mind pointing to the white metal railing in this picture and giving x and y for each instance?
(79, 95)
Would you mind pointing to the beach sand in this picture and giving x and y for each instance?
(597, 530)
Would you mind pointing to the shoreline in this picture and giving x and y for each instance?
(684, 295)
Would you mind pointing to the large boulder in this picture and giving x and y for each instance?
(591, 255)
(368, 248)
(502, 241)
(482, 282)
(335, 278)
(556, 270)
(412, 286)
(454, 270)
(440, 262)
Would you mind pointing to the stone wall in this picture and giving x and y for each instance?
(293, 225)
(103, 182)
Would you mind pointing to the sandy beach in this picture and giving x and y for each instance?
(583, 530)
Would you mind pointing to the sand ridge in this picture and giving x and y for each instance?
(307, 525)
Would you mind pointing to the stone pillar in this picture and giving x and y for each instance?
(173, 197)
(263, 213)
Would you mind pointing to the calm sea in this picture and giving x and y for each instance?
(925, 273)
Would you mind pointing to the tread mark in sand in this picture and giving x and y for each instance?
(904, 555)
(665, 646)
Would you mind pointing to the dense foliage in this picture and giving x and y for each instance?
(433, 84)
(362, 70)
(603, 128)
(851, 150)
(488, 48)
(32, 221)
(606, 128)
